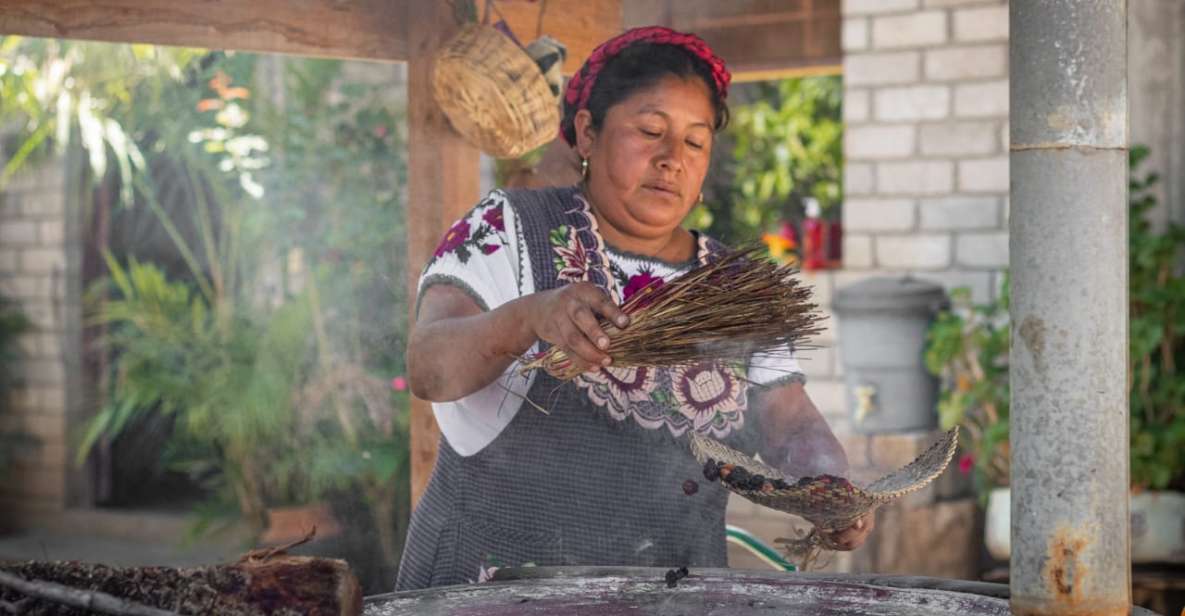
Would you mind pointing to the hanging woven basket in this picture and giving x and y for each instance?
(494, 94)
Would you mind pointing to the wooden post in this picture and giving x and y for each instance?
(443, 184)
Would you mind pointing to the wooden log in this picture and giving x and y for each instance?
(253, 586)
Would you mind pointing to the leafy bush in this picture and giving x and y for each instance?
(968, 348)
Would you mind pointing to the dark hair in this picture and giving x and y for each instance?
(636, 68)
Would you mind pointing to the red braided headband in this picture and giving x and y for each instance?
(581, 85)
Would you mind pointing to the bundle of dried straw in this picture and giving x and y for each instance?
(741, 305)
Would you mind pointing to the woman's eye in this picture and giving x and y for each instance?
(651, 133)
(695, 145)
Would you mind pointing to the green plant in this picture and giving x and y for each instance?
(1156, 328)
(786, 145)
(228, 383)
(968, 347)
(13, 323)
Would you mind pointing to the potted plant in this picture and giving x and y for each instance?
(968, 348)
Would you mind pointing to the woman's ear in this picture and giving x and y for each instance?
(585, 133)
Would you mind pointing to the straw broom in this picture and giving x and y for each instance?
(740, 306)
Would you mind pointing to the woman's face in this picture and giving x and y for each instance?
(647, 163)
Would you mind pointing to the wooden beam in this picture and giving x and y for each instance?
(443, 184)
(756, 38)
(363, 29)
(580, 25)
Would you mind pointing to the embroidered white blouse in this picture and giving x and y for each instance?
(484, 255)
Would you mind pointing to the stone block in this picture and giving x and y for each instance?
(986, 175)
(857, 251)
(953, 63)
(919, 29)
(51, 232)
(862, 215)
(948, 213)
(929, 102)
(875, 7)
(46, 427)
(981, 100)
(43, 372)
(857, 105)
(925, 177)
(18, 233)
(982, 249)
(9, 260)
(878, 142)
(43, 204)
(872, 69)
(21, 287)
(858, 179)
(980, 282)
(914, 252)
(988, 23)
(854, 35)
(959, 138)
(42, 260)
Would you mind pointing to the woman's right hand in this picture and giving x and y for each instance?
(567, 318)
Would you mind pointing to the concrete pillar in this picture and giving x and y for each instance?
(1068, 164)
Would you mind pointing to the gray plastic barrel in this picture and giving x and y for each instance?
(882, 338)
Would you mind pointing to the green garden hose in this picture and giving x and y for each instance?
(762, 550)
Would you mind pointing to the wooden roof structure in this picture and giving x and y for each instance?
(758, 39)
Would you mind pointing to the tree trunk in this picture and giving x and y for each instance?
(257, 584)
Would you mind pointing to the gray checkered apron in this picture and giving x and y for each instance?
(573, 487)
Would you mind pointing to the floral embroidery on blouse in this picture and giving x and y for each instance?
(707, 397)
(463, 238)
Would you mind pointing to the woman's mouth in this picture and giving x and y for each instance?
(666, 189)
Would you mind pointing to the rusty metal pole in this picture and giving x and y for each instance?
(1069, 255)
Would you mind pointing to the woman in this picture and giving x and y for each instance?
(601, 477)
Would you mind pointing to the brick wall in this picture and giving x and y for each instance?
(39, 270)
(926, 108)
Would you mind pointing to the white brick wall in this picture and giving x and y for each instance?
(959, 138)
(978, 100)
(981, 23)
(33, 262)
(922, 102)
(954, 63)
(879, 141)
(863, 215)
(952, 213)
(924, 177)
(909, 30)
(882, 68)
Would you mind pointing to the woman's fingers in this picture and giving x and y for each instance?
(584, 319)
(577, 344)
(854, 536)
(612, 312)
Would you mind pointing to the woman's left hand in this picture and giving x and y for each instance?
(854, 536)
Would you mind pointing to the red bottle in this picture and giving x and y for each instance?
(814, 247)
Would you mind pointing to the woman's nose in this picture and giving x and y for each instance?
(670, 158)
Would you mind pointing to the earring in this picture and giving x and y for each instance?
(701, 197)
(584, 168)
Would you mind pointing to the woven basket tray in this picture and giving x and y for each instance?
(831, 505)
(494, 94)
